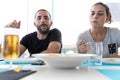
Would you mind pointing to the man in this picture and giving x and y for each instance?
(44, 40)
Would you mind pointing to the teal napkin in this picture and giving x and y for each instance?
(103, 64)
(112, 74)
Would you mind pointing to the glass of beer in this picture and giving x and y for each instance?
(11, 49)
(0, 49)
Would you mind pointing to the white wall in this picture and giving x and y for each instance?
(69, 16)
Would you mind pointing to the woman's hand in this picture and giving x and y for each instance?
(82, 47)
(14, 24)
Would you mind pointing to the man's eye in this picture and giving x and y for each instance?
(46, 18)
(92, 13)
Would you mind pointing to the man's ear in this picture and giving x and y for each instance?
(51, 23)
(34, 24)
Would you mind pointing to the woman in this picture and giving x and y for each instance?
(100, 14)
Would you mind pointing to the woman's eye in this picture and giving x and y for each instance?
(38, 18)
(100, 13)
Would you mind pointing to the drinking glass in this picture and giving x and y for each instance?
(99, 52)
(95, 48)
(0, 49)
(11, 49)
(91, 49)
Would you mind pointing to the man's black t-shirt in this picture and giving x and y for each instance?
(34, 45)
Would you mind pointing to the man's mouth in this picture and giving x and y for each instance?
(43, 25)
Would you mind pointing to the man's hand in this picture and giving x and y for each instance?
(14, 24)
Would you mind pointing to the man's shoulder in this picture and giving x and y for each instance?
(55, 30)
(31, 34)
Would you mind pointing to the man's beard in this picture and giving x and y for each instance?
(43, 31)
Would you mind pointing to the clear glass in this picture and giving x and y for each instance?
(99, 52)
(91, 50)
(11, 49)
(95, 48)
(1, 48)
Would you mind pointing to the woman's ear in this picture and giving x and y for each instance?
(109, 19)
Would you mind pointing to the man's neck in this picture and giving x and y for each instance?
(41, 36)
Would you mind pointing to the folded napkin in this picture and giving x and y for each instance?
(12, 75)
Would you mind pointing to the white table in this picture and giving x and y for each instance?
(81, 73)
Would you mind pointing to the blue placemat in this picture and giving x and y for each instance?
(3, 70)
(25, 65)
(37, 63)
(103, 64)
(112, 74)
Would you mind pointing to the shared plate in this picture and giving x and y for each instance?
(66, 61)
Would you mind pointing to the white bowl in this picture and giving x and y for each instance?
(63, 60)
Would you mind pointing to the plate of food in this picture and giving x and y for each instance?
(61, 61)
(111, 60)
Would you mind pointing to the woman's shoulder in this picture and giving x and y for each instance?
(113, 29)
(85, 32)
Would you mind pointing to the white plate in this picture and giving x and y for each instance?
(63, 60)
(24, 60)
(111, 60)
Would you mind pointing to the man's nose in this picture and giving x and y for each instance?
(42, 19)
(95, 16)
